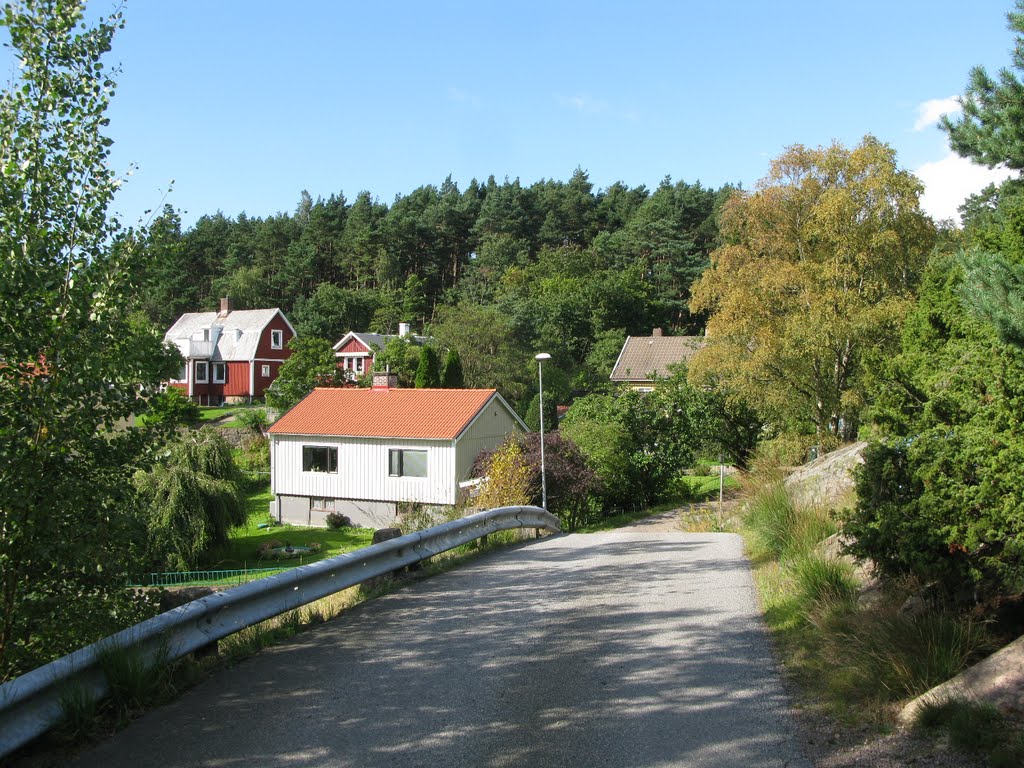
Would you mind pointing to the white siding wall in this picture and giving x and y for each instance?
(363, 470)
(487, 432)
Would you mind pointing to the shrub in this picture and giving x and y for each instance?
(172, 408)
(337, 520)
(253, 419)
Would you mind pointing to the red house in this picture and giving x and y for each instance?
(232, 355)
(356, 350)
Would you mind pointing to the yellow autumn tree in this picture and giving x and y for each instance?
(818, 266)
(507, 482)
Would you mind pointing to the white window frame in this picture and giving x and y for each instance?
(205, 378)
(223, 372)
(265, 370)
(397, 462)
(276, 339)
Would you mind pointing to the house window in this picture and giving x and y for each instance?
(265, 371)
(321, 505)
(220, 373)
(181, 374)
(319, 458)
(359, 364)
(202, 371)
(403, 463)
(277, 339)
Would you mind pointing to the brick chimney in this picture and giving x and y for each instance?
(382, 380)
(656, 333)
(225, 307)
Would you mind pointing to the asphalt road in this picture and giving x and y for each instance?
(619, 649)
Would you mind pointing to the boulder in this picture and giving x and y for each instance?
(997, 680)
(828, 481)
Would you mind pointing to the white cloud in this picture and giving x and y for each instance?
(929, 112)
(585, 104)
(951, 180)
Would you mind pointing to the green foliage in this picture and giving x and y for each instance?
(639, 443)
(428, 374)
(532, 417)
(253, 419)
(507, 477)
(940, 498)
(993, 289)
(331, 311)
(193, 497)
(400, 357)
(451, 372)
(336, 520)
(172, 408)
(311, 364)
(816, 271)
(990, 130)
(76, 358)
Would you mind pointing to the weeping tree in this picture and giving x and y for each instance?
(193, 499)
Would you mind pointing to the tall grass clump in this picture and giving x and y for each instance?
(823, 583)
(782, 529)
(135, 680)
(906, 655)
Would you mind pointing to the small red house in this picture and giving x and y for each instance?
(232, 355)
(355, 351)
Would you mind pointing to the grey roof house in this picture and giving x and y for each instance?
(644, 358)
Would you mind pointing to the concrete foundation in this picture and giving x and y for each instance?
(295, 510)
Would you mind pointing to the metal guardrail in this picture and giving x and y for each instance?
(30, 704)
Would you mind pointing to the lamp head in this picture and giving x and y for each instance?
(541, 357)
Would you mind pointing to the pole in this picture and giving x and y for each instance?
(721, 482)
(543, 477)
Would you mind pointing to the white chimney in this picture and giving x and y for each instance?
(404, 329)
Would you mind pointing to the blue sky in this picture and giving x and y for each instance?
(245, 104)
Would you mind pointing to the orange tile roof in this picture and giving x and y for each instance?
(429, 414)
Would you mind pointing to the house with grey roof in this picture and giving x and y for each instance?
(644, 359)
(356, 349)
(230, 355)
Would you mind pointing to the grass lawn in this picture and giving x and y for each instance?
(242, 551)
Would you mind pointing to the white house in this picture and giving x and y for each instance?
(363, 452)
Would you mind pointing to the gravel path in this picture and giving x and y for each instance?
(625, 648)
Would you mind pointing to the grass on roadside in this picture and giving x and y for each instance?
(855, 662)
(977, 728)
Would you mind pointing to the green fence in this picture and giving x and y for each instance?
(206, 578)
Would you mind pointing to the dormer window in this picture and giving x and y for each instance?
(277, 339)
(206, 334)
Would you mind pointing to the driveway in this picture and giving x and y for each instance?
(627, 648)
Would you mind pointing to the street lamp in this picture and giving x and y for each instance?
(540, 358)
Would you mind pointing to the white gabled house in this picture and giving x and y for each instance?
(364, 452)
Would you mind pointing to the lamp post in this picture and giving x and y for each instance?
(540, 358)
